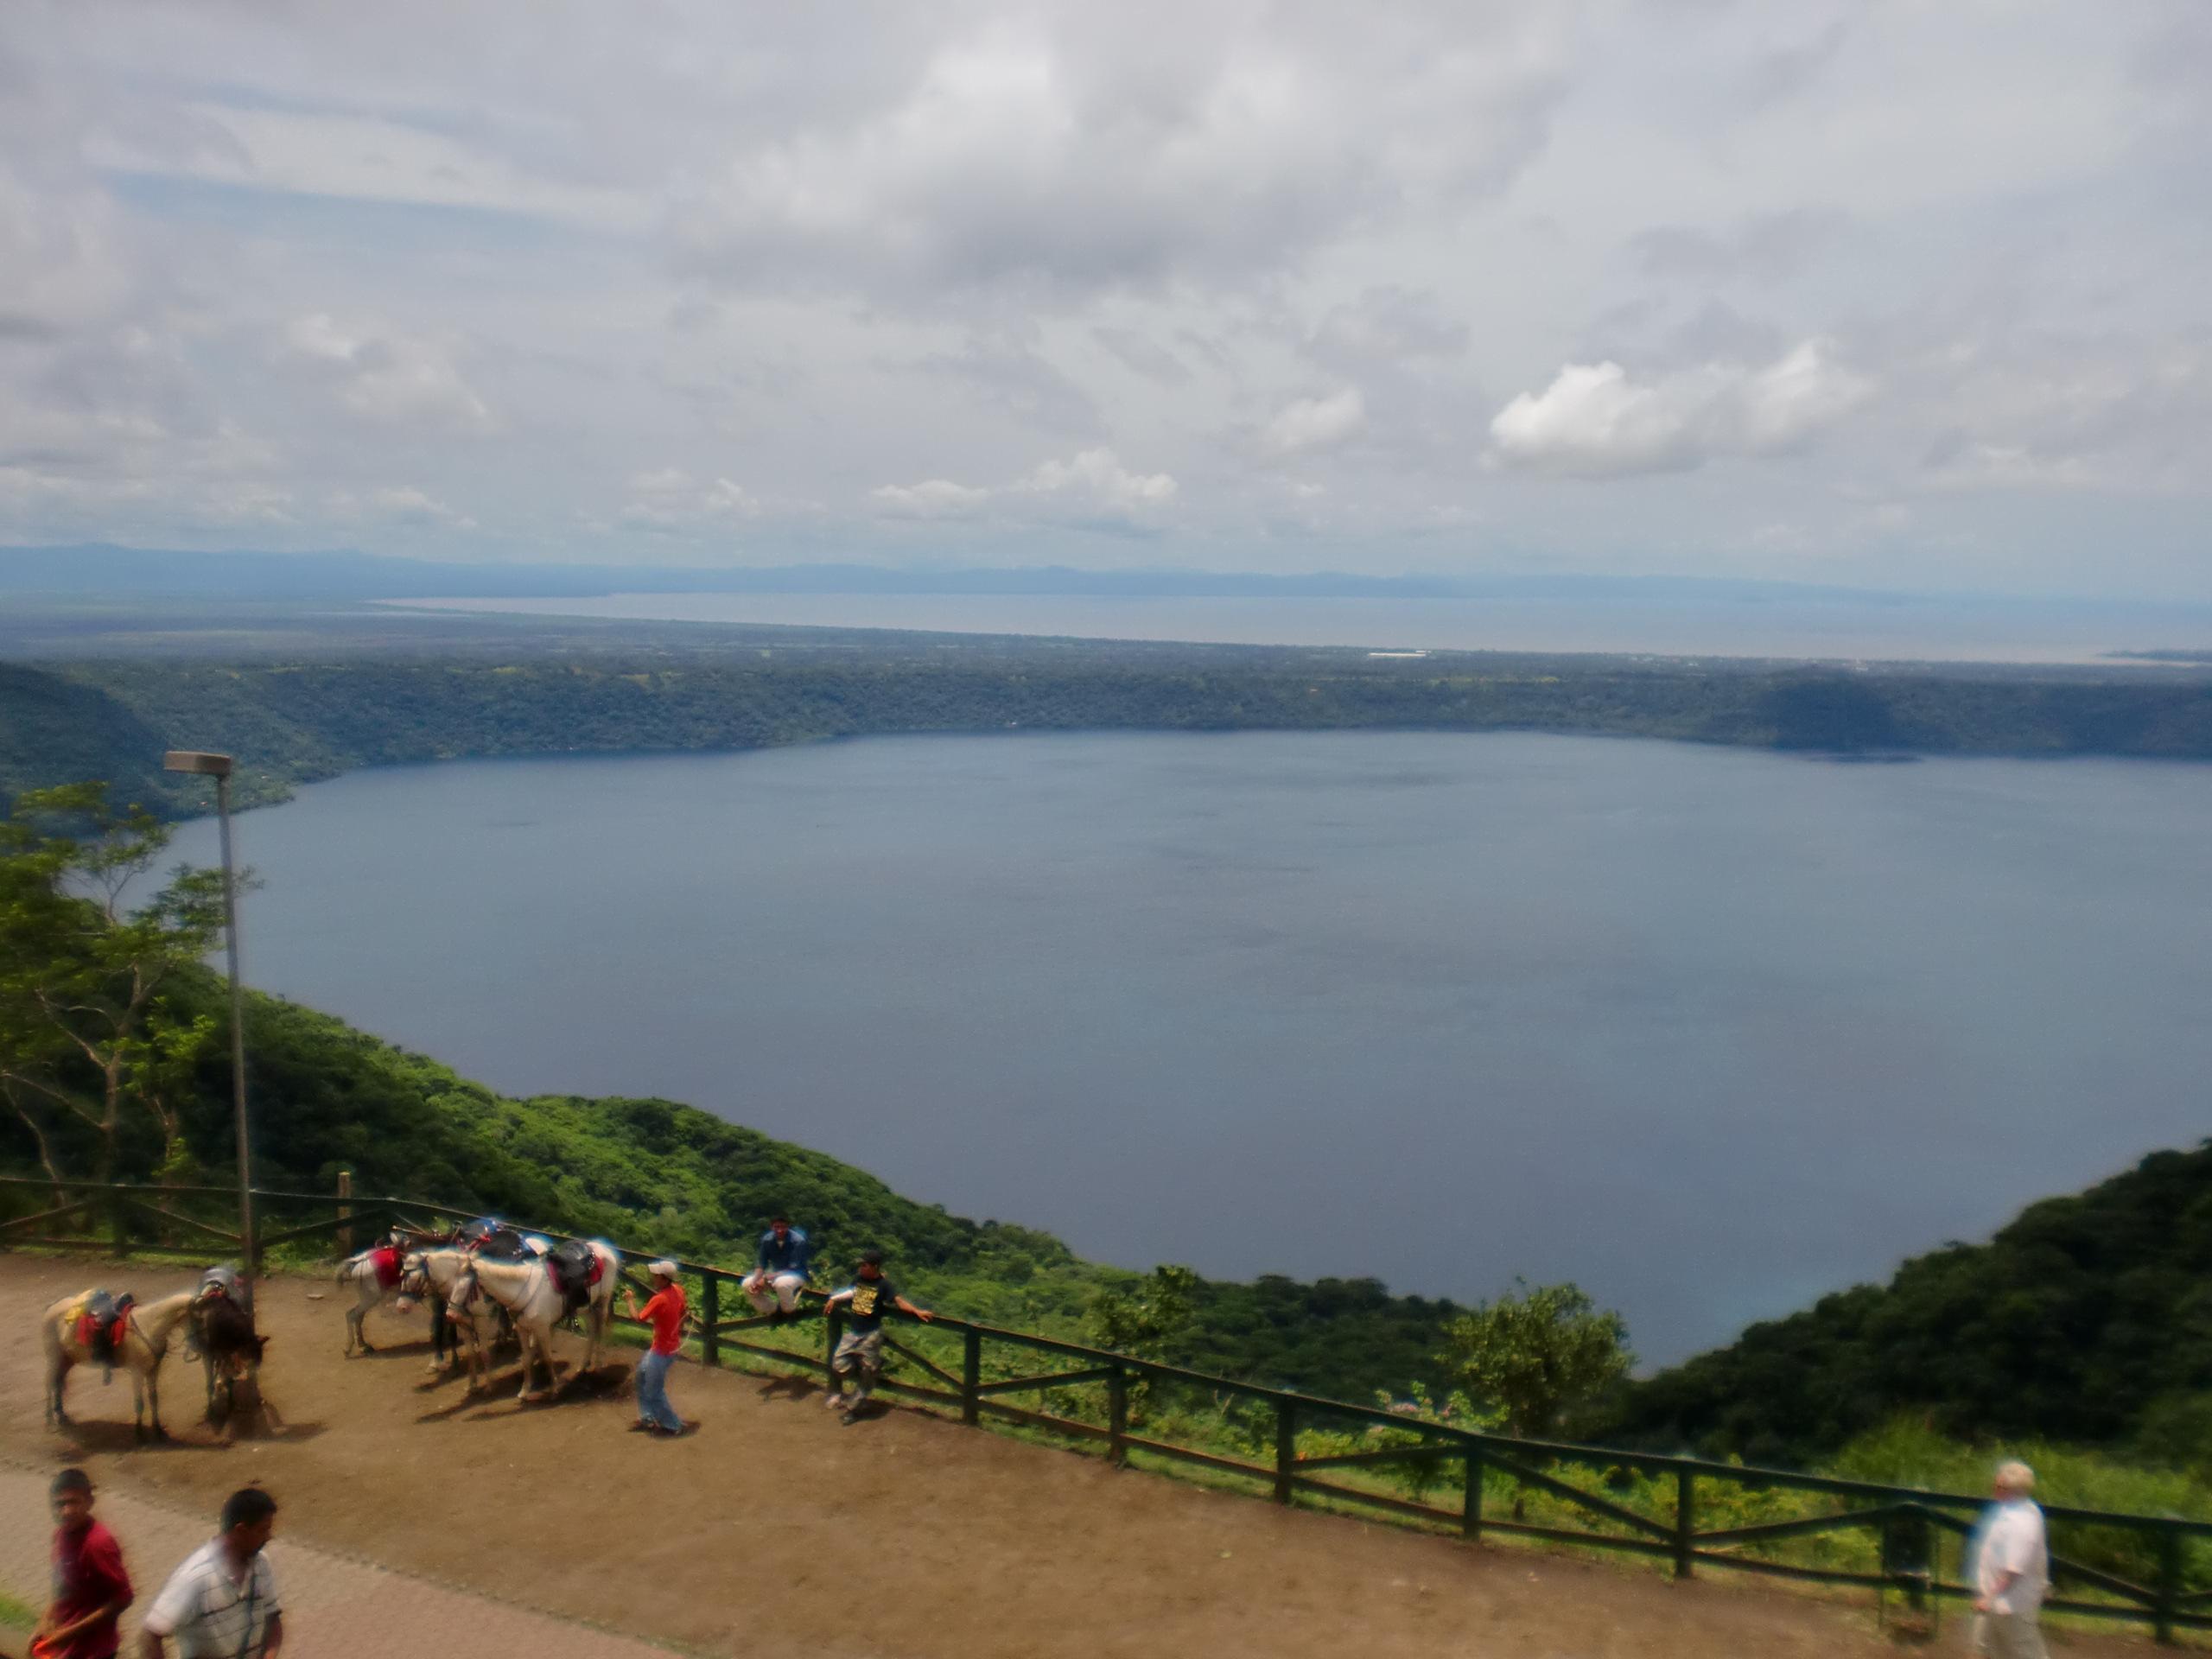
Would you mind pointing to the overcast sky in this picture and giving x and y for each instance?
(1895, 292)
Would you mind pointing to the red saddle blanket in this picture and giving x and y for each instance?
(386, 1262)
(95, 1338)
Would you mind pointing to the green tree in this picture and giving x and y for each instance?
(85, 1034)
(1149, 1319)
(1536, 1354)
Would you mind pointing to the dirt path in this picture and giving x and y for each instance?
(775, 1531)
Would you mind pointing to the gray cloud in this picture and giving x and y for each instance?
(1268, 281)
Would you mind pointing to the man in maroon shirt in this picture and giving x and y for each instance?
(90, 1588)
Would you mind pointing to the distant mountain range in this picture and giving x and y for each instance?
(108, 572)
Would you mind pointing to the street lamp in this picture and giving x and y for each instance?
(217, 766)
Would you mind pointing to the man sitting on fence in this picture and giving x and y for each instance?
(2011, 1568)
(860, 1350)
(780, 1267)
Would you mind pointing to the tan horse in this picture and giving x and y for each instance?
(145, 1344)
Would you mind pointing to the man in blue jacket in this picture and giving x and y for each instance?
(781, 1267)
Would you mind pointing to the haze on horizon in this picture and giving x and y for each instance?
(1874, 294)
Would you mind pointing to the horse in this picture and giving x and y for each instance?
(221, 1332)
(373, 1274)
(535, 1303)
(437, 1271)
(143, 1344)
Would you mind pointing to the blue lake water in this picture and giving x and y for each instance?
(1709, 1031)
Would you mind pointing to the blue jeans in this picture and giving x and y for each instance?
(652, 1392)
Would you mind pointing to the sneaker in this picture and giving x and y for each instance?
(835, 1400)
(641, 1426)
(851, 1418)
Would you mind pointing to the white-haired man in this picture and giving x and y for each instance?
(2011, 1570)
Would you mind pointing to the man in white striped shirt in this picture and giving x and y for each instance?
(221, 1602)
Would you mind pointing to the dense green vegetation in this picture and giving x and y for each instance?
(2086, 1323)
(2087, 1319)
(294, 719)
(112, 1063)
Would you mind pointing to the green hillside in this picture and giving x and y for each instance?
(2088, 1320)
(657, 1175)
(293, 720)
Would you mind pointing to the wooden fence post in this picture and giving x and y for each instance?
(1471, 1507)
(971, 1376)
(118, 1222)
(1286, 1448)
(710, 1309)
(1685, 1522)
(2168, 1583)
(1117, 1416)
(345, 1213)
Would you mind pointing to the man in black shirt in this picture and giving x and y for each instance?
(860, 1350)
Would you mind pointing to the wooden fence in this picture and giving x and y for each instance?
(1289, 1445)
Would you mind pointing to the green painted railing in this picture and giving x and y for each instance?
(1910, 1528)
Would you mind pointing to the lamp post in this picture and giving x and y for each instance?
(217, 766)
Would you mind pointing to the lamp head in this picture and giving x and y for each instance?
(212, 765)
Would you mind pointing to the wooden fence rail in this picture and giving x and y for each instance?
(992, 1363)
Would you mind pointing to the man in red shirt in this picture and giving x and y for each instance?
(90, 1588)
(663, 1311)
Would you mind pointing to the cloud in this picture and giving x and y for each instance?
(1764, 247)
(1593, 421)
(1090, 485)
(1144, 356)
(1098, 477)
(933, 498)
(670, 498)
(60, 247)
(1392, 323)
(329, 153)
(1073, 156)
(1316, 422)
(390, 379)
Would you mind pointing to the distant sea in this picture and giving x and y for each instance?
(1904, 628)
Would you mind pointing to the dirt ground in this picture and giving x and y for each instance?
(775, 1530)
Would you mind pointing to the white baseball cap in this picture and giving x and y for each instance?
(662, 1269)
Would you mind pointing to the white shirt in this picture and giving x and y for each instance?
(2014, 1543)
(212, 1614)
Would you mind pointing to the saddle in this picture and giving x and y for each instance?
(101, 1323)
(575, 1268)
(500, 1244)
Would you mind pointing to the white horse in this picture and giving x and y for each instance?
(145, 1344)
(364, 1275)
(534, 1302)
(437, 1271)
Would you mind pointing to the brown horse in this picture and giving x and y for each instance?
(144, 1344)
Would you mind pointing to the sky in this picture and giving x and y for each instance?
(1884, 292)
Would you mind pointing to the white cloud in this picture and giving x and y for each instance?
(392, 379)
(1092, 483)
(1068, 150)
(933, 498)
(1594, 421)
(1097, 476)
(670, 498)
(1317, 422)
